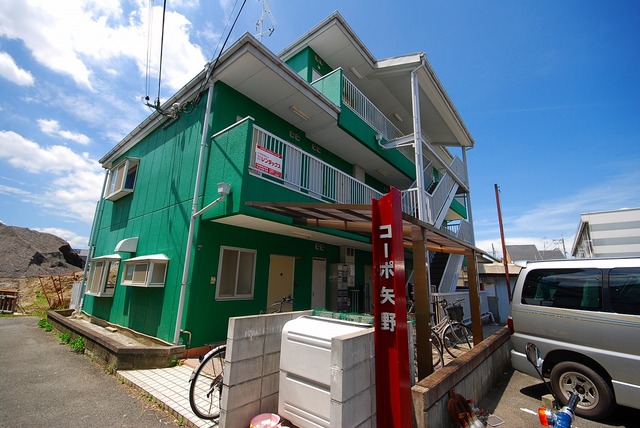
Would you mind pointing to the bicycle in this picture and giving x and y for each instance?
(437, 356)
(205, 391)
(206, 381)
(455, 337)
(276, 307)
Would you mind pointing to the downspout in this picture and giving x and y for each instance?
(417, 135)
(466, 166)
(192, 222)
(92, 245)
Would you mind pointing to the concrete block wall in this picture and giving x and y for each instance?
(353, 388)
(469, 375)
(252, 367)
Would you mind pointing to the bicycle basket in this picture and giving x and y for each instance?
(456, 313)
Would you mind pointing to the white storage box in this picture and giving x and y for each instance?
(305, 368)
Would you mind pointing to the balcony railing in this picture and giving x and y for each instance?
(287, 165)
(356, 101)
(283, 163)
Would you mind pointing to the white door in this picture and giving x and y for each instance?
(318, 284)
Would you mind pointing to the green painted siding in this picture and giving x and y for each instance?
(157, 212)
(304, 62)
(208, 317)
(230, 155)
(331, 86)
(362, 131)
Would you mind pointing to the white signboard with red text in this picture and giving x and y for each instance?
(268, 161)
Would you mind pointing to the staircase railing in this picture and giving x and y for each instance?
(451, 273)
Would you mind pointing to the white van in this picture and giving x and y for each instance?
(584, 315)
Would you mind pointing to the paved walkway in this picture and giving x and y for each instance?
(170, 387)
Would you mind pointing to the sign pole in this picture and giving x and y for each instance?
(393, 383)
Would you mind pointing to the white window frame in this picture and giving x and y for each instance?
(145, 271)
(237, 271)
(119, 176)
(100, 268)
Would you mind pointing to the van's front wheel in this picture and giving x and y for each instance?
(596, 397)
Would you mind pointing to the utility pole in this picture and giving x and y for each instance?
(504, 246)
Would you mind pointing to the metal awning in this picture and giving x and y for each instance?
(356, 218)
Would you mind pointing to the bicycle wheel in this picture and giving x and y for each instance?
(205, 391)
(457, 339)
(436, 351)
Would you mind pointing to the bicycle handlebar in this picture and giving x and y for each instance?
(444, 302)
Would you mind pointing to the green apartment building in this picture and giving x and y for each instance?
(181, 239)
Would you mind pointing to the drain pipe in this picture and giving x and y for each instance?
(92, 245)
(192, 223)
(423, 214)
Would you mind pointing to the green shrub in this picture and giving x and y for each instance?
(65, 337)
(78, 344)
(43, 323)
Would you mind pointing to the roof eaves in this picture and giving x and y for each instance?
(196, 85)
(334, 19)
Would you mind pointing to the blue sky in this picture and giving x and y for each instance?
(550, 90)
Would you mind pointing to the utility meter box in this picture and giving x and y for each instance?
(305, 368)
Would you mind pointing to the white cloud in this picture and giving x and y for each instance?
(47, 29)
(52, 127)
(73, 181)
(10, 71)
(15, 191)
(75, 240)
(547, 222)
(28, 155)
(83, 38)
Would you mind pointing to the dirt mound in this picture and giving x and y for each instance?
(28, 253)
(41, 266)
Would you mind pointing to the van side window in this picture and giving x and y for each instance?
(624, 288)
(564, 288)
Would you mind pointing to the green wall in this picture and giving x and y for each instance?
(157, 212)
(307, 60)
(208, 318)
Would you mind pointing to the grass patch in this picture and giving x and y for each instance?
(65, 337)
(77, 344)
(44, 323)
(40, 306)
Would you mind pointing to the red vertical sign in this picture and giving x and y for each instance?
(393, 384)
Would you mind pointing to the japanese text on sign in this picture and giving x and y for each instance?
(268, 161)
(387, 295)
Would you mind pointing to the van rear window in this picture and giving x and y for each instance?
(564, 288)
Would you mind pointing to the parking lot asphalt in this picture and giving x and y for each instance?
(515, 399)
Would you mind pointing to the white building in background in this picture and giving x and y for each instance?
(608, 234)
